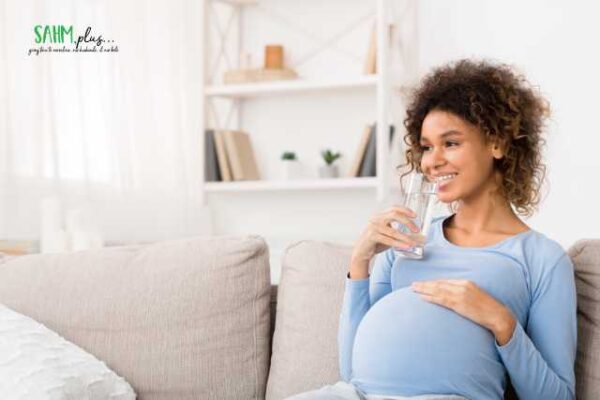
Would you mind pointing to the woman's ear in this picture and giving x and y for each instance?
(497, 151)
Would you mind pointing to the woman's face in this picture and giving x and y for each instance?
(455, 147)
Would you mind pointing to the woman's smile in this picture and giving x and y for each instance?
(443, 182)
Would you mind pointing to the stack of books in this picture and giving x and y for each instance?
(365, 157)
(229, 157)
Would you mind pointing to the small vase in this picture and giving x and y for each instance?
(328, 171)
(291, 169)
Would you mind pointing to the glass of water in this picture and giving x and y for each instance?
(420, 197)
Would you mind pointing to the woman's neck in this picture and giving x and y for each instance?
(476, 221)
(487, 216)
(487, 212)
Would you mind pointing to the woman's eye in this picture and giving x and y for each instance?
(427, 148)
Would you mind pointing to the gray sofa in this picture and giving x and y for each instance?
(198, 318)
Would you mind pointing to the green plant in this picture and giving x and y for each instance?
(288, 155)
(329, 157)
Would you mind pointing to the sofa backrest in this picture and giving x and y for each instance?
(309, 297)
(305, 313)
(184, 319)
(586, 259)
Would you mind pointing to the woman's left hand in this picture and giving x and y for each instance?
(469, 300)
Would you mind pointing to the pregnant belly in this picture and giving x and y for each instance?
(406, 345)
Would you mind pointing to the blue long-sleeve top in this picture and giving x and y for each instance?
(393, 342)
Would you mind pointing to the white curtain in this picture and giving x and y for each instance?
(116, 134)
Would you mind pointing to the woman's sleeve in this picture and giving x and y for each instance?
(540, 360)
(359, 296)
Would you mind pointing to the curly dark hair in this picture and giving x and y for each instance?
(506, 109)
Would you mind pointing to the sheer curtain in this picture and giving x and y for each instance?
(104, 141)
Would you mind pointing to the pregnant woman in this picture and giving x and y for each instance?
(492, 300)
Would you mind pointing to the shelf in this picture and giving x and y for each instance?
(291, 86)
(305, 184)
(238, 2)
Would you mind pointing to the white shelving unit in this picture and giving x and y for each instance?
(289, 87)
(300, 184)
(380, 86)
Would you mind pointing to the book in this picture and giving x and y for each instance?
(222, 157)
(211, 164)
(241, 156)
(369, 165)
(370, 66)
(359, 155)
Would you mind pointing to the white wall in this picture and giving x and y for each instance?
(550, 40)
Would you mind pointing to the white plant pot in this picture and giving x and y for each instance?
(328, 171)
(292, 169)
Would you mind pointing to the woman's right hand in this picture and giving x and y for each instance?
(379, 235)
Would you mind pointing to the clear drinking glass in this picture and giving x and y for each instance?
(420, 197)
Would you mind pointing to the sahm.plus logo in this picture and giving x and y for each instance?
(67, 39)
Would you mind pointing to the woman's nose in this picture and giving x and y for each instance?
(433, 160)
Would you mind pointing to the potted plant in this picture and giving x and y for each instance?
(329, 170)
(291, 165)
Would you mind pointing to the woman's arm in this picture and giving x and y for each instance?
(540, 360)
(359, 296)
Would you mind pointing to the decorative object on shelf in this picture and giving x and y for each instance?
(329, 170)
(289, 155)
(273, 70)
(258, 75)
(274, 56)
(370, 66)
(291, 166)
(19, 247)
(68, 229)
(83, 228)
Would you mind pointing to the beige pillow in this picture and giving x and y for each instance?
(184, 319)
(586, 259)
(309, 300)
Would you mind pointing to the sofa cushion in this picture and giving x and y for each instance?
(184, 319)
(309, 299)
(586, 259)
